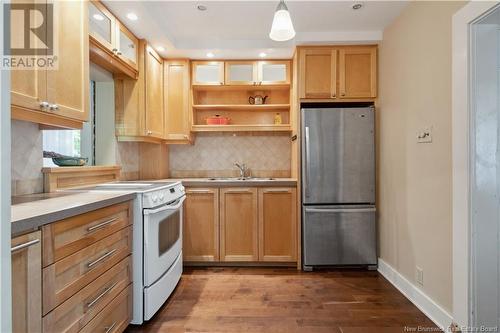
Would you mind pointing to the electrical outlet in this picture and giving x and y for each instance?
(425, 136)
(419, 275)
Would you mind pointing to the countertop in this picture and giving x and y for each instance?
(30, 212)
(234, 182)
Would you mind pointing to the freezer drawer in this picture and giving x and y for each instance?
(339, 236)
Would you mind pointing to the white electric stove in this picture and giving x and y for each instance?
(157, 242)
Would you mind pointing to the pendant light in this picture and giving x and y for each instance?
(282, 28)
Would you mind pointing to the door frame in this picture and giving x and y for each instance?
(461, 107)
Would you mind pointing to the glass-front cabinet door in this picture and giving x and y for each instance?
(273, 72)
(208, 72)
(101, 25)
(127, 45)
(241, 73)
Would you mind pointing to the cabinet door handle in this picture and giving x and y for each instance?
(101, 295)
(24, 245)
(44, 105)
(101, 258)
(115, 50)
(108, 329)
(343, 94)
(221, 83)
(277, 191)
(149, 132)
(54, 107)
(101, 225)
(334, 95)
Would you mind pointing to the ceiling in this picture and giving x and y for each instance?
(240, 29)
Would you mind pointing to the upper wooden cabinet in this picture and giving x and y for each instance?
(155, 121)
(277, 224)
(318, 73)
(112, 45)
(27, 283)
(273, 72)
(240, 72)
(201, 225)
(358, 72)
(208, 72)
(176, 96)
(257, 72)
(238, 224)
(139, 114)
(340, 72)
(47, 96)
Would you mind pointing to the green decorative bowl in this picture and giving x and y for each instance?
(70, 161)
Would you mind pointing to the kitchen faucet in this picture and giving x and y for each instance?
(243, 169)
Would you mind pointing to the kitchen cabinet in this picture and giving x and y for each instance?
(338, 72)
(139, 113)
(47, 96)
(240, 73)
(238, 224)
(277, 224)
(201, 225)
(113, 46)
(207, 72)
(154, 94)
(273, 72)
(27, 283)
(176, 94)
(358, 72)
(318, 73)
(257, 72)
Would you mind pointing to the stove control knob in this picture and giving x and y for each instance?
(162, 196)
(155, 198)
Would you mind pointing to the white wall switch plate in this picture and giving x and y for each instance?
(419, 272)
(425, 135)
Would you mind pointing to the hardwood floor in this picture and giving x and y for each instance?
(278, 300)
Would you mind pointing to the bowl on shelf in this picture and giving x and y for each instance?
(217, 120)
(70, 161)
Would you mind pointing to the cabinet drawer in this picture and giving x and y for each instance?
(67, 276)
(115, 317)
(79, 309)
(70, 235)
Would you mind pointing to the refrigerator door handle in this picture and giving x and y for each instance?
(340, 210)
(306, 164)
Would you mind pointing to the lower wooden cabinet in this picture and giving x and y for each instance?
(244, 224)
(277, 224)
(27, 283)
(238, 224)
(201, 225)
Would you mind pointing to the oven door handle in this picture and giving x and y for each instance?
(173, 206)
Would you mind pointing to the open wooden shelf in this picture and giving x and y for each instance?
(242, 128)
(243, 87)
(242, 107)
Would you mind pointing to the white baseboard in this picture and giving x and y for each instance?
(423, 302)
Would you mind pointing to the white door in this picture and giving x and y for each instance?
(485, 171)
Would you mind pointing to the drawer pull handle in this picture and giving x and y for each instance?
(24, 245)
(108, 329)
(101, 295)
(101, 258)
(101, 225)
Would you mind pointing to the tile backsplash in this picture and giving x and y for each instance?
(215, 155)
(26, 158)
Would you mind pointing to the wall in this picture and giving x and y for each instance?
(414, 192)
(215, 155)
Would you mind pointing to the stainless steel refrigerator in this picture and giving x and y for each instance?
(338, 187)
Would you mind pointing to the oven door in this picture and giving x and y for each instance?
(162, 239)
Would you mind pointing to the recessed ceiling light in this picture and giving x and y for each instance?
(357, 6)
(201, 7)
(160, 49)
(262, 55)
(210, 55)
(98, 17)
(132, 16)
